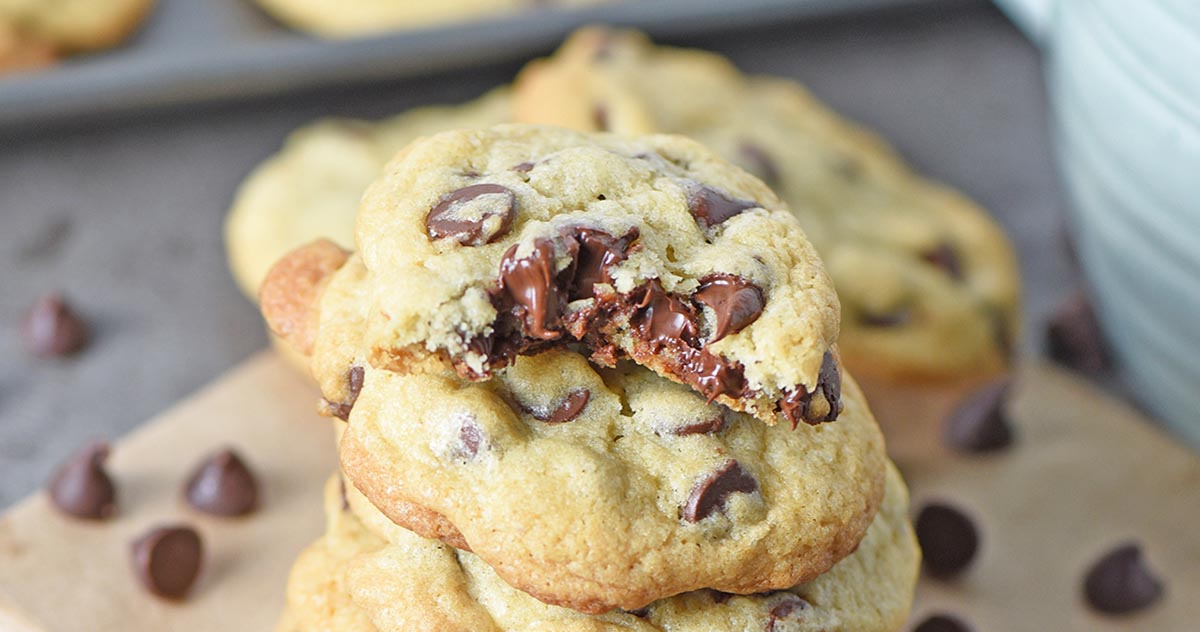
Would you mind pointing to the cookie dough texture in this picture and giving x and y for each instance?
(683, 216)
(311, 188)
(40, 29)
(367, 575)
(347, 18)
(615, 507)
(928, 283)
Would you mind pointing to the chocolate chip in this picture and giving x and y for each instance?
(942, 623)
(528, 282)
(223, 486)
(712, 375)
(797, 404)
(980, 423)
(354, 381)
(1074, 338)
(718, 596)
(593, 253)
(524, 167)
(52, 328)
(712, 425)
(660, 317)
(736, 302)
(600, 117)
(167, 560)
(640, 613)
(945, 257)
(473, 216)
(1120, 582)
(948, 539)
(788, 606)
(711, 207)
(568, 410)
(470, 440)
(894, 318)
(760, 163)
(710, 494)
(81, 488)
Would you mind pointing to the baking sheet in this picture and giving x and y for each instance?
(192, 51)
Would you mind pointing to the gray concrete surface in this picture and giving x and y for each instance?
(125, 215)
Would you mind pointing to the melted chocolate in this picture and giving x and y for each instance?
(711, 207)
(735, 301)
(447, 220)
(529, 284)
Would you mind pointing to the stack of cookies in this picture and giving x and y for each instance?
(586, 382)
(927, 282)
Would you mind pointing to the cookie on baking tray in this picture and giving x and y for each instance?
(35, 32)
(366, 574)
(347, 18)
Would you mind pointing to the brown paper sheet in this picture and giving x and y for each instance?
(1086, 472)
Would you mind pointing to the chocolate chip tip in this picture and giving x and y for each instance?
(223, 485)
(167, 560)
(1121, 582)
(81, 487)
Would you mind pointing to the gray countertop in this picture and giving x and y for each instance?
(124, 216)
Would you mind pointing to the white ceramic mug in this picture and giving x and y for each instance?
(1124, 83)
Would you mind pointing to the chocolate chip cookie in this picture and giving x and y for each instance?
(366, 574)
(927, 282)
(311, 188)
(34, 32)
(598, 488)
(348, 18)
(479, 246)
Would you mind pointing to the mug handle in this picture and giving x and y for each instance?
(1031, 16)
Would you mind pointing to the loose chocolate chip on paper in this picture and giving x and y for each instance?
(942, 623)
(1120, 582)
(223, 485)
(52, 328)
(711, 207)
(736, 302)
(82, 488)
(1074, 338)
(569, 409)
(167, 560)
(980, 423)
(948, 539)
(710, 494)
(473, 216)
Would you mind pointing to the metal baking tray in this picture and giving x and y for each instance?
(193, 51)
